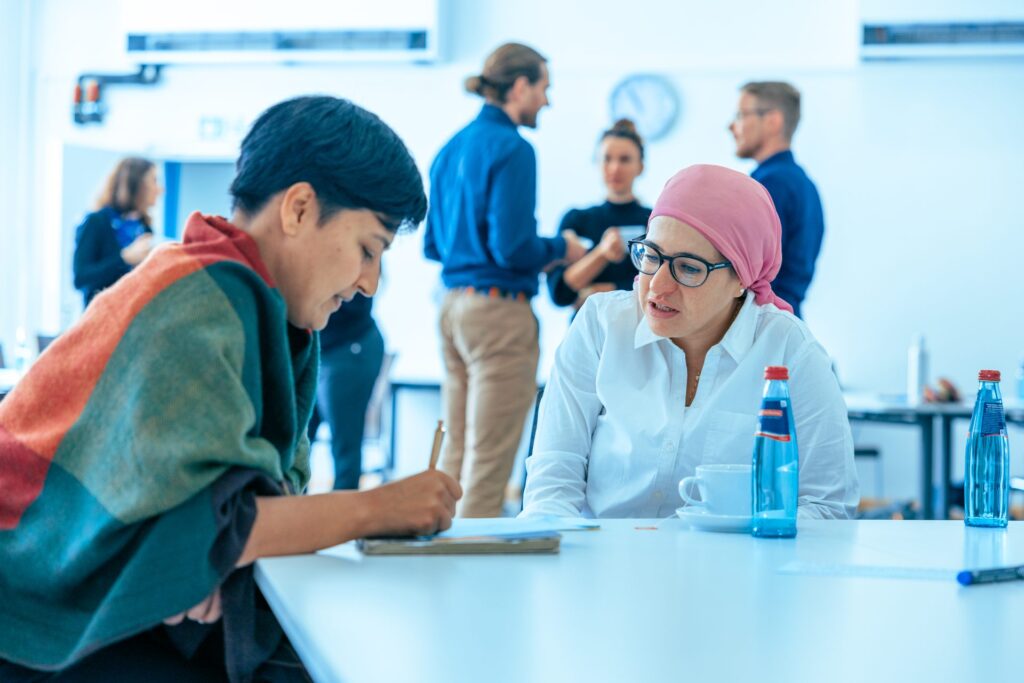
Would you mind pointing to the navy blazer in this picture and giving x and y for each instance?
(97, 262)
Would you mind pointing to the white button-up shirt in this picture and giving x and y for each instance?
(614, 435)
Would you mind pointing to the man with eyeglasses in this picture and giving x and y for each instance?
(763, 128)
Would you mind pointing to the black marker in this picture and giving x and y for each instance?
(969, 576)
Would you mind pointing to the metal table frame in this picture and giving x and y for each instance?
(875, 409)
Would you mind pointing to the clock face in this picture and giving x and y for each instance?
(649, 101)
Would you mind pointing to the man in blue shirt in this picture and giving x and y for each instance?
(763, 127)
(482, 228)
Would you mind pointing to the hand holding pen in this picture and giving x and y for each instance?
(422, 504)
(438, 440)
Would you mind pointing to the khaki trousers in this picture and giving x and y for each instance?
(490, 353)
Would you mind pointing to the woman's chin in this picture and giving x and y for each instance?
(661, 327)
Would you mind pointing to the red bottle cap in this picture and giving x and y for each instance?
(988, 376)
(776, 372)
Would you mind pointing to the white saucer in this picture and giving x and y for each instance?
(702, 520)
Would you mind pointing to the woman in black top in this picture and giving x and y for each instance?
(609, 225)
(118, 235)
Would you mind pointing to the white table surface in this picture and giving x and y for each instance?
(622, 604)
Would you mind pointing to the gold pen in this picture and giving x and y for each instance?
(438, 439)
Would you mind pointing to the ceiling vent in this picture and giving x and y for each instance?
(233, 31)
(942, 40)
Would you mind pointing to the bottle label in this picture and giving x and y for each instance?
(993, 421)
(773, 422)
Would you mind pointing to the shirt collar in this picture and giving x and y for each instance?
(621, 205)
(737, 340)
(783, 157)
(643, 335)
(740, 336)
(495, 114)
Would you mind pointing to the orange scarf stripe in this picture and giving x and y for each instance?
(64, 377)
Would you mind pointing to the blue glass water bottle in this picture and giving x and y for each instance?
(775, 479)
(987, 462)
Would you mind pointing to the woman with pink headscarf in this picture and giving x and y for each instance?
(651, 383)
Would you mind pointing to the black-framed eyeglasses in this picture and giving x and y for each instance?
(689, 270)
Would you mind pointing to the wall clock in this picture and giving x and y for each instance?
(649, 100)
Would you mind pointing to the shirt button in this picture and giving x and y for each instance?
(657, 495)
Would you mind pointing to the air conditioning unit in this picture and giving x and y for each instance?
(237, 31)
(929, 29)
(953, 39)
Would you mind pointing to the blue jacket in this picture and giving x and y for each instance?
(483, 193)
(803, 224)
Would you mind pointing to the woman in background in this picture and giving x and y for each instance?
(608, 225)
(118, 235)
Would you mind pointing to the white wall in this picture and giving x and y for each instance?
(918, 163)
(204, 187)
(16, 86)
(424, 103)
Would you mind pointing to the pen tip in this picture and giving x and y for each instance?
(964, 578)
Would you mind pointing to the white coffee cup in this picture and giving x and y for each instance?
(724, 489)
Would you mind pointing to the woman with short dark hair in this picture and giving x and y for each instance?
(151, 455)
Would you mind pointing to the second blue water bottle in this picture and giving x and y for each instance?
(987, 461)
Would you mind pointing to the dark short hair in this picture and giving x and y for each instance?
(781, 96)
(352, 159)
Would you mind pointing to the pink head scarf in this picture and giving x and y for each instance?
(736, 214)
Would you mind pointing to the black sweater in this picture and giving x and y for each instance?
(348, 323)
(591, 223)
(97, 262)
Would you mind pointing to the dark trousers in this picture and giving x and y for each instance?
(150, 657)
(347, 376)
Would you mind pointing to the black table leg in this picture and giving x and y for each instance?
(927, 423)
(947, 463)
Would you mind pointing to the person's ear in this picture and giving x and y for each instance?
(776, 122)
(299, 208)
(519, 88)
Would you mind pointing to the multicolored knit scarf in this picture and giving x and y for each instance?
(110, 445)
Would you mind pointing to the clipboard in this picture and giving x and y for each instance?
(483, 544)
